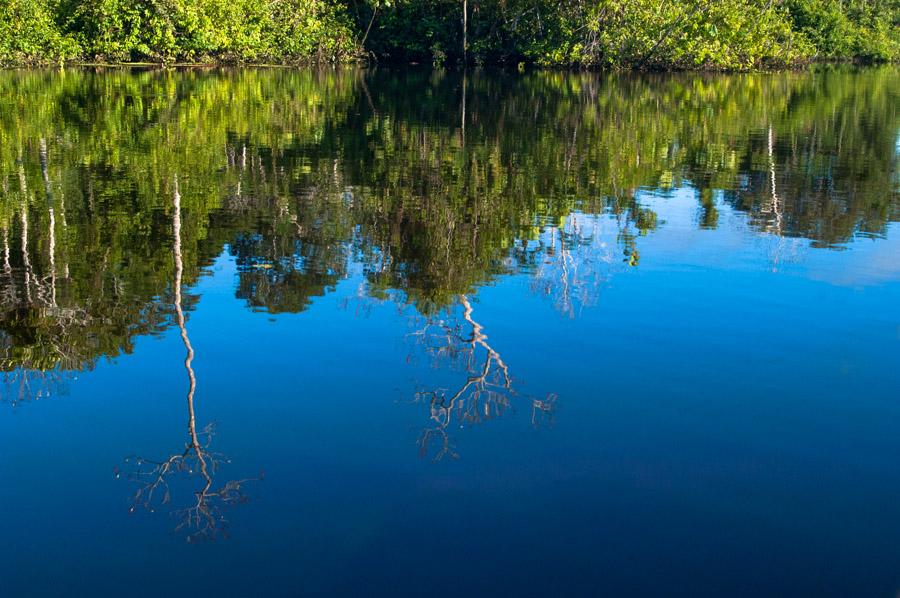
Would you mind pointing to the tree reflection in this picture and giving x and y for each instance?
(307, 177)
(38, 355)
(203, 519)
(574, 260)
(487, 391)
(781, 249)
(302, 176)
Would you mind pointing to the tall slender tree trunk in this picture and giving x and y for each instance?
(7, 268)
(462, 119)
(48, 190)
(26, 260)
(195, 445)
(465, 19)
(369, 28)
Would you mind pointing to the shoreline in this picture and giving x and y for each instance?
(521, 67)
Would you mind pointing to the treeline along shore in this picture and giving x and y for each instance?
(618, 34)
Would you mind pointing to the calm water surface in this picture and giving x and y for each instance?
(277, 332)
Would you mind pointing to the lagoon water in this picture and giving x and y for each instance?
(281, 332)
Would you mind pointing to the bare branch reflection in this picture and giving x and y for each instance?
(203, 518)
(575, 261)
(487, 391)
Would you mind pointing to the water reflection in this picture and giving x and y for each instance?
(487, 390)
(203, 519)
(485, 393)
(684, 281)
(575, 260)
(305, 177)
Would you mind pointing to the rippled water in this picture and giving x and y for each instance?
(409, 332)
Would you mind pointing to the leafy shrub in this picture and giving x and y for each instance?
(650, 34)
(29, 33)
(205, 30)
(868, 29)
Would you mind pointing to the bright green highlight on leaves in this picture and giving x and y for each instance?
(645, 34)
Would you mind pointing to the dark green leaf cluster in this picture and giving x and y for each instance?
(646, 34)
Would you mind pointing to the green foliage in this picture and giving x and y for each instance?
(29, 34)
(839, 28)
(644, 34)
(279, 31)
(717, 34)
(648, 34)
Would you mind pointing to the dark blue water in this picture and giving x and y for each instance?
(408, 333)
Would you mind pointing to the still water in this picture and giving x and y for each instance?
(279, 332)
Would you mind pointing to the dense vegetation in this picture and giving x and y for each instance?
(647, 34)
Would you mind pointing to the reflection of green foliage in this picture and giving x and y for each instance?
(431, 183)
(115, 141)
